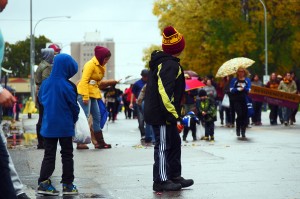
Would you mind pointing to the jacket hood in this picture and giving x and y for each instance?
(48, 55)
(157, 57)
(64, 66)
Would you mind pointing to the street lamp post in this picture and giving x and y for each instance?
(266, 39)
(32, 48)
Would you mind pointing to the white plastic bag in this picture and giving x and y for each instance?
(82, 129)
(225, 101)
(199, 132)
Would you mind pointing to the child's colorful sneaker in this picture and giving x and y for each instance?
(69, 189)
(46, 188)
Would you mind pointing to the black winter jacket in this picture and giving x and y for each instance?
(165, 88)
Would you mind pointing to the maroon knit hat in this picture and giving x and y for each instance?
(172, 42)
(2, 4)
(101, 53)
(55, 47)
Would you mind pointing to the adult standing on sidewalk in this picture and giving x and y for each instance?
(89, 92)
(273, 83)
(11, 186)
(239, 88)
(6, 185)
(6, 99)
(136, 89)
(163, 96)
(287, 85)
(295, 111)
(257, 106)
(43, 71)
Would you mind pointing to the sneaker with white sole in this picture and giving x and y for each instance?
(46, 188)
(69, 189)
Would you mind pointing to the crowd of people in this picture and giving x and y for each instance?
(158, 100)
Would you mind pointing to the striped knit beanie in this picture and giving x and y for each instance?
(172, 42)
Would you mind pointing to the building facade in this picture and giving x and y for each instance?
(84, 51)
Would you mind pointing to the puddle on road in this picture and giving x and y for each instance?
(16, 136)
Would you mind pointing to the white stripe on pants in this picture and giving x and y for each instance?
(162, 154)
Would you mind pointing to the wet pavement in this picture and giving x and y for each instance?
(267, 165)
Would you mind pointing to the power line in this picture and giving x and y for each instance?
(89, 20)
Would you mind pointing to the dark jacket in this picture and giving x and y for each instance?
(236, 93)
(45, 67)
(208, 106)
(59, 96)
(165, 89)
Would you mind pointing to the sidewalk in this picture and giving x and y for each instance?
(265, 166)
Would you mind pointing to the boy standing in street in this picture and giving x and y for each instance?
(59, 97)
(165, 89)
(207, 113)
(189, 122)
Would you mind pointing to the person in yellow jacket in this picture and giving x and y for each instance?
(29, 107)
(89, 93)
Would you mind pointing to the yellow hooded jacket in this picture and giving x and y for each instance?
(92, 74)
(29, 106)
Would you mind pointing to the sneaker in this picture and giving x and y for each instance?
(69, 189)
(166, 186)
(205, 138)
(183, 182)
(46, 188)
(22, 196)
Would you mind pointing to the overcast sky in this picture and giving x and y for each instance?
(130, 23)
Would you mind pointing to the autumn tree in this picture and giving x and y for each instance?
(147, 54)
(216, 31)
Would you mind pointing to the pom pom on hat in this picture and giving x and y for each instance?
(172, 42)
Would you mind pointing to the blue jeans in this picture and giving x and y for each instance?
(286, 113)
(149, 137)
(18, 186)
(140, 118)
(91, 108)
(149, 134)
(6, 185)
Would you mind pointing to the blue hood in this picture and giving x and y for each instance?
(48, 55)
(64, 66)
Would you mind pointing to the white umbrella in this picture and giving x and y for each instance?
(231, 66)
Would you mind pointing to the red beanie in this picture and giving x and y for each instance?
(172, 42)
(2, 4)
(101, 53)
(55, 47)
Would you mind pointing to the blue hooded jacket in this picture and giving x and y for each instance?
(59, 97)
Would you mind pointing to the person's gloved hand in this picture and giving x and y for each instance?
(180, 127)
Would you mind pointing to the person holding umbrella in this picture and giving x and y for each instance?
(239, 89)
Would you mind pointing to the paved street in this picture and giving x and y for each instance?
(266, 166)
